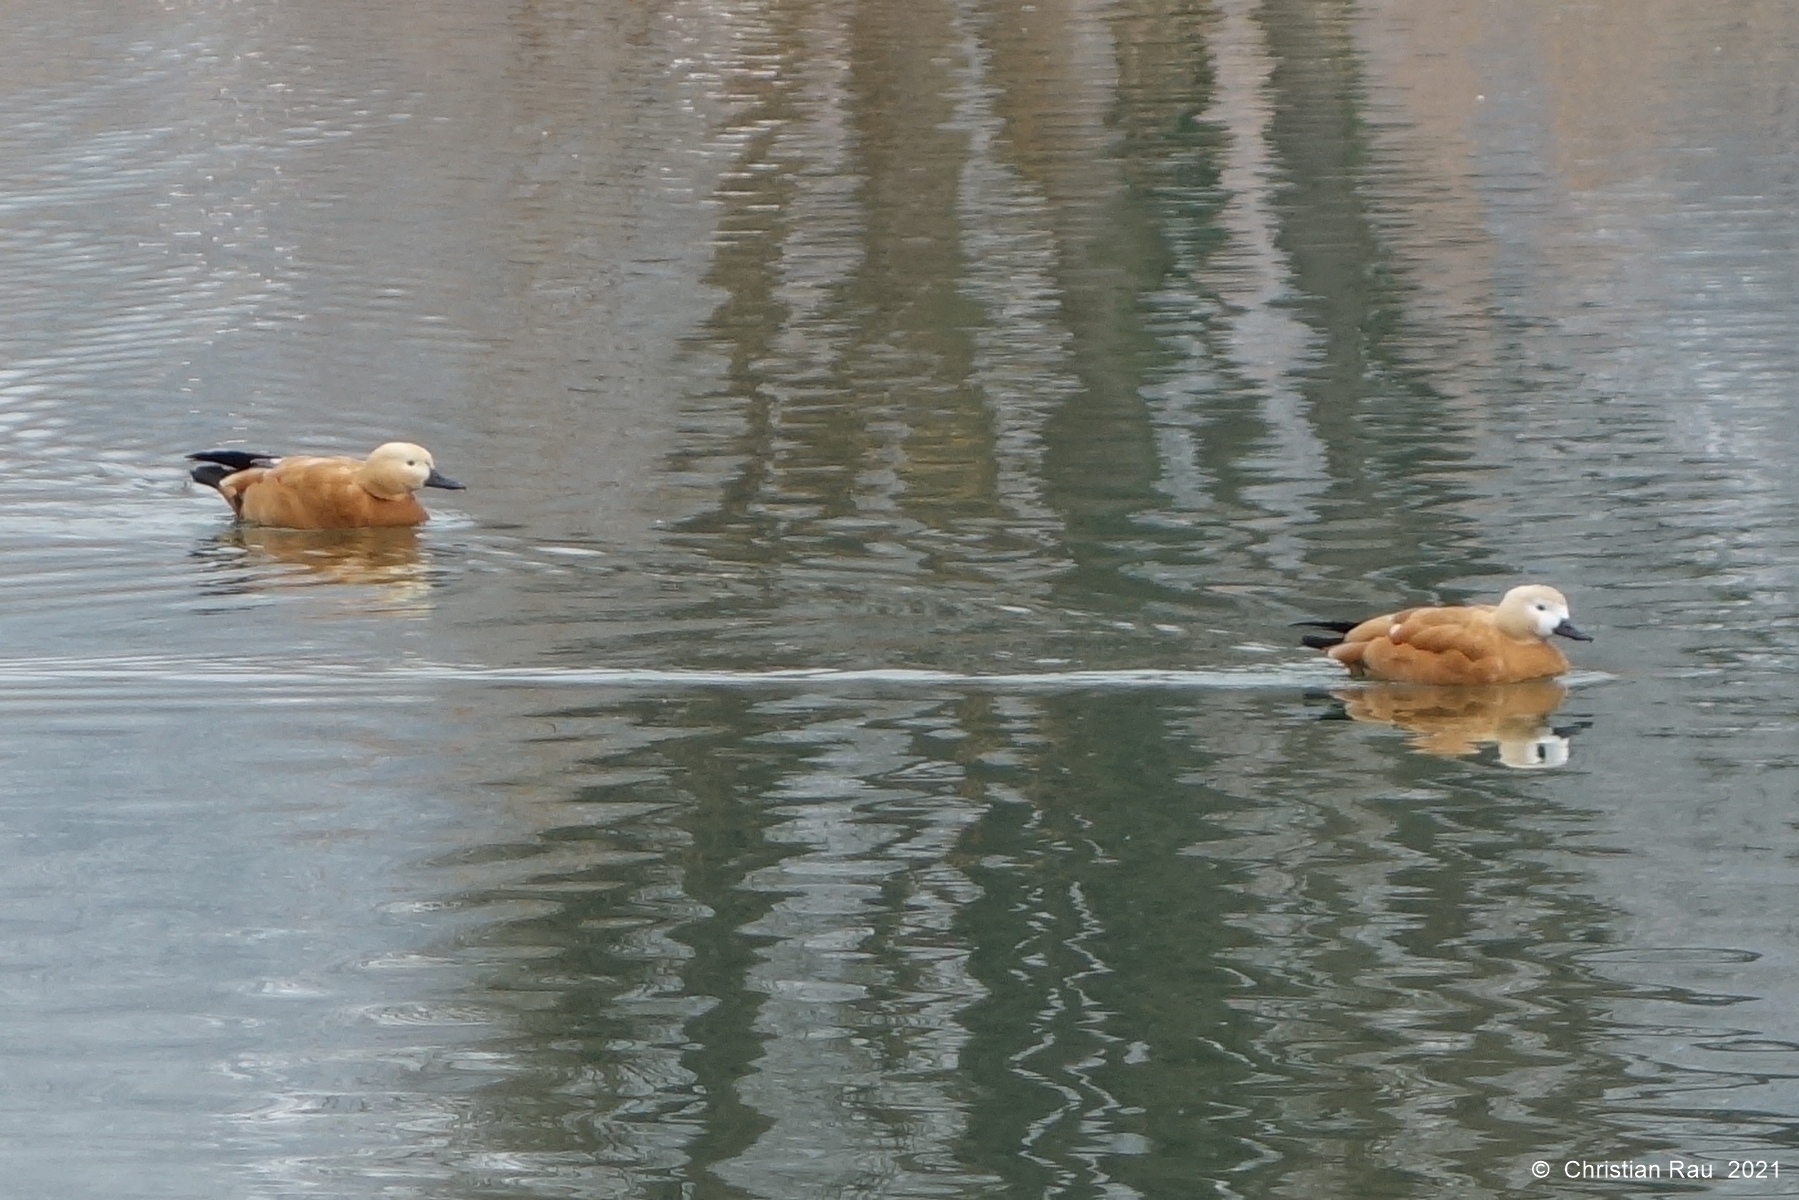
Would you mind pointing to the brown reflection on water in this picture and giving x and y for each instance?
(1460, 721)
(390, 560)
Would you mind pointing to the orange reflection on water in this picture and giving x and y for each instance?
(1459, 721)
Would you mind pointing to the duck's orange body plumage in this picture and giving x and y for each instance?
(1465, 644)
(304, 492)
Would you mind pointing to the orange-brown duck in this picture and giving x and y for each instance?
(304, 492)
(1463, 644)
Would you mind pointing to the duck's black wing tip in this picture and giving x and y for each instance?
(237, 460)
(211, 474)
(1319, 641)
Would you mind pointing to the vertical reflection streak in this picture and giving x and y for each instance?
(1265, 344)
(1021, 350)
(859, 981)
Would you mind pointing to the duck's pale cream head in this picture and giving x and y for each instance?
(1534, 610)
(401, 468)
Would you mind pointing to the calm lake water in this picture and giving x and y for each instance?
(847, 740)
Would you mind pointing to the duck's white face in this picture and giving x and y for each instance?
(402, 463)
(1543, 607)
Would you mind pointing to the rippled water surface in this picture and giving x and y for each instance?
(847, 740)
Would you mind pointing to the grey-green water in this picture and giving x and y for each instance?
(847, 740)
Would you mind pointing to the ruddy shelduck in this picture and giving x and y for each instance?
(1465, 644)
(303, 492)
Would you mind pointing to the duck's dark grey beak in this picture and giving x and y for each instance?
(439, 479)
(1566, 629)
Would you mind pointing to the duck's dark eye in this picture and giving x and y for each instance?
(413, 462)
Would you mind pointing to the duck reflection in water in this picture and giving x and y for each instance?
(388, 558)
(1456, 721)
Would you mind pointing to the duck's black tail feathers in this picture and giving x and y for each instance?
(237, 460)
(1320, 641)
(215, 465)
(211, 474)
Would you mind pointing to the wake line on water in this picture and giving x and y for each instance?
(272, 674)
